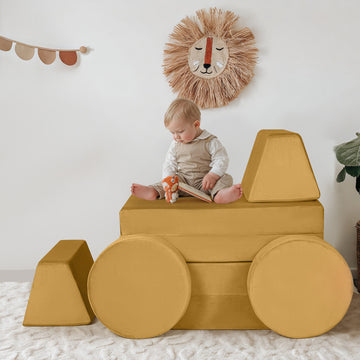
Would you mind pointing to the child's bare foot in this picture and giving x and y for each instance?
(144, 192)
(228, 195)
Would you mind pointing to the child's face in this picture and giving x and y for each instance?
(183, 131)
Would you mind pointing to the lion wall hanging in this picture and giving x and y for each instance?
(208, 60)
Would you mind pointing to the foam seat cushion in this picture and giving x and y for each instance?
(219, 298)
(216, 232)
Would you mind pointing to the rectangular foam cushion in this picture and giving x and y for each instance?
(219, 278)
(220, 248)
(219, 312)
(219, 298)
(213, 232)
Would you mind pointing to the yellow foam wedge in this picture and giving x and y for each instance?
(279, 169)
(299, 286)
(139, 286)
(59, 293)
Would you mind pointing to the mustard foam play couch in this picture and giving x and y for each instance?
(260, 262)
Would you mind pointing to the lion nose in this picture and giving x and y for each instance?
(206, 66)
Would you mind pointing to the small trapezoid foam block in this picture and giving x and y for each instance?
(279, 169)
(59, 291)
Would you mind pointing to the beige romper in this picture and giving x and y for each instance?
(193, 164)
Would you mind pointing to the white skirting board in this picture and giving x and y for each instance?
(17, 275)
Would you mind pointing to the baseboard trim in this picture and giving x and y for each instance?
(354, 272)
(17, 275)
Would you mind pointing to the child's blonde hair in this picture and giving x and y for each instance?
(183, 109)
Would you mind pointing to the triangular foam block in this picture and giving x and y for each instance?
(279, 169)
(59, 291)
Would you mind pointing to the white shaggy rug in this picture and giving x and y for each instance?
(97, 342)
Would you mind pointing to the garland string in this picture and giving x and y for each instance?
(46, 55)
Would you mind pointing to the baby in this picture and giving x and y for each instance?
(195, 156)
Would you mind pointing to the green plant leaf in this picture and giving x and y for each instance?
(341, 175)
(348, 153)
(353, 170)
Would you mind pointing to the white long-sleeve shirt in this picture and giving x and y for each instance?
(219, 157)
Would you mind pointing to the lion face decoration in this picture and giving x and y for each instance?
(207, 60)
(208, 57)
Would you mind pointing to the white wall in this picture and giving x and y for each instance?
(72, 140)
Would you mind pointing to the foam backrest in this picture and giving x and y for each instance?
(279, 169)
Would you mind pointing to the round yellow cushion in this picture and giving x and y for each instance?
(139, 286)
(299, 286)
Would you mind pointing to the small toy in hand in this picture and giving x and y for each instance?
(171, 185)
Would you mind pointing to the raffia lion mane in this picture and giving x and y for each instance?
(218, 91)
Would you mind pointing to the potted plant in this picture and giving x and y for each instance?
(348, 154)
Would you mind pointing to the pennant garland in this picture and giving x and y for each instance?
(46, 55)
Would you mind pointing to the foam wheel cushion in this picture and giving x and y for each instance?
(139, 287)
(299, 286)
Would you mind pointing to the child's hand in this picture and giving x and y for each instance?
(210, 180)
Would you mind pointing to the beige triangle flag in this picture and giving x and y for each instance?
(24, 52)
(5, 44)
(47, 56)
